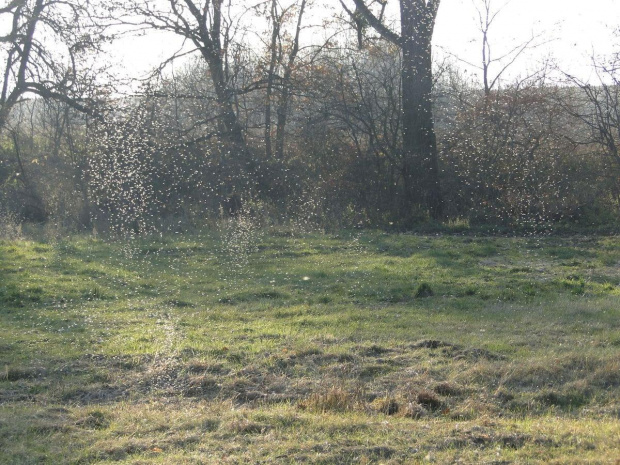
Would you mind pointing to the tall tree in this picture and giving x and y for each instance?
(285, 94)
(208, 26)
(282, 58)
(419, 167)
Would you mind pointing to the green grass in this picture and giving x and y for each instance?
(361, 347)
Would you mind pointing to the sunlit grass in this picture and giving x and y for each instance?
(360, 347)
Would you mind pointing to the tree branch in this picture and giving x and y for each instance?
(377, 25)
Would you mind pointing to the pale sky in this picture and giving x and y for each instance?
(573, 32)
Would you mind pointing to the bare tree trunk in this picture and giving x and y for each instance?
(206, 34)
(224, 98)
(270, 76)
(283, 101)
(281, 121)
(420, 165)
(420, 159)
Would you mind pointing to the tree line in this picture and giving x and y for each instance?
(270, 108)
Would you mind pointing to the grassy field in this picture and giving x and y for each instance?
(363, 347)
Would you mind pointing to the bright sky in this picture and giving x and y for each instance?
(573, 30)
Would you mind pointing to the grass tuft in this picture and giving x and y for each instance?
(429, 400)
(424, 290)
(335, 399)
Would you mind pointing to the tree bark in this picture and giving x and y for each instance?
(224, 98)
(420, 164)
(420, 159)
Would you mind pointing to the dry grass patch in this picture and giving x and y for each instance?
(334, 399)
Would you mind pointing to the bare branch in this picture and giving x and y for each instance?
(381, 28)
